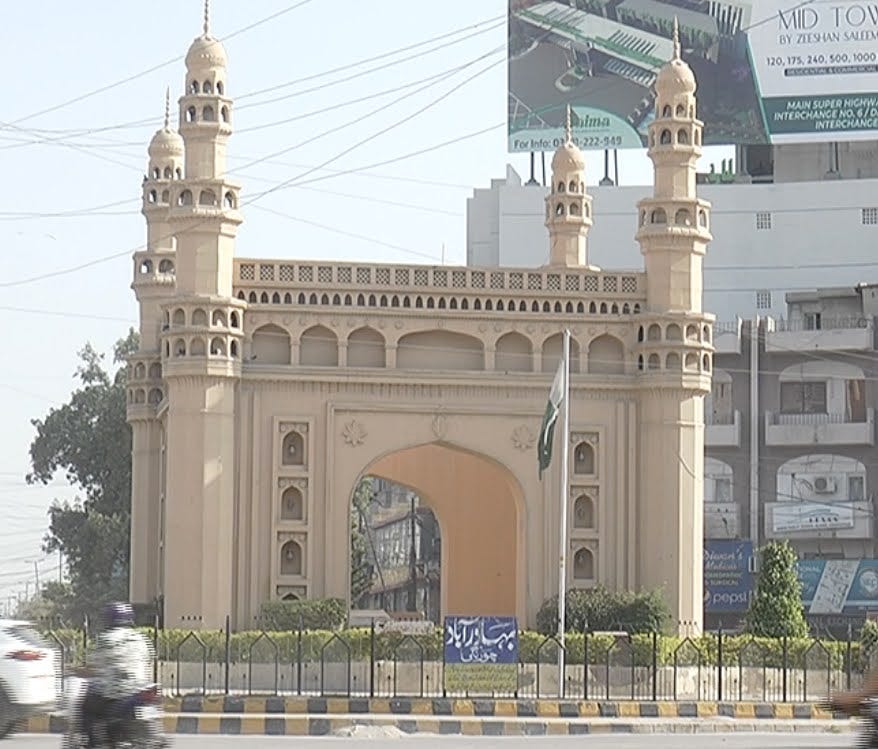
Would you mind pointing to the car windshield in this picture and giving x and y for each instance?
(26, 634)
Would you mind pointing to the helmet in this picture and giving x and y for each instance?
(118, 615)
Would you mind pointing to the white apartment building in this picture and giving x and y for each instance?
(774, 231)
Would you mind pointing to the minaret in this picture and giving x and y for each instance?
(201, 353)
(568, 205)
(674, 223)
(154, 285)
(674, 354)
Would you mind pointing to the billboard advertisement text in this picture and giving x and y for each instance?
(776, 71)
(728, 581)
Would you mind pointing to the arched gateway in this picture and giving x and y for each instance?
(265, 389)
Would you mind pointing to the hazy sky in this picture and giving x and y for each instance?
(66, 278)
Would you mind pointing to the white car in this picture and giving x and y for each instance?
(28, 674)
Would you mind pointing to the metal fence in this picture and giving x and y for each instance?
(598, 666)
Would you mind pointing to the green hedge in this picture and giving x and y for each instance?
(534, 647)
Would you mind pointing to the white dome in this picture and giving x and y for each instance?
(206, 52)
(568, 158)
(675, 77)
(166, 142)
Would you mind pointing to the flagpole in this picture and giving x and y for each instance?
(562, 556)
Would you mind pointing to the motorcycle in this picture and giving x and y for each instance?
(136, 722)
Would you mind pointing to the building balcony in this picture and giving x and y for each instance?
(841, 334)
(722, 430)
(722, 520)
(817, 520)
(791, 430)
(727, 337)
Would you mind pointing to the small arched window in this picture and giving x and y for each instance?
(180, 347)
(574, 209)
(234, 320)
(179, 173)
(583, 459)
(691, 362)
(683, 137)
(672, 362)
(292, 506)
(706, 363)
(197, 348)
(156, 173)
(207, 88)
(166, 266)
(166, 196)
(146, 266)
(665, 137)
(153, 197)
(218, 318)
(291, 559)
(681, 110)
(207, 197)
(169, 173)
(233, 349)
(640, 334)
(666, 110)
(583, 512)
(640, 363)
(653, 362)
(659, 216)
(185, 198)
(193, 87)
(293, 450)
(179, 317)
(673, 332)
(572, 186)
(208, 115)
(224, 113)
(697, 136)
(559, 209)
(191, 114)
(583, 565)
(561, 187)
(217, 347)
(654, 333)
(219, 88)
(683, 218)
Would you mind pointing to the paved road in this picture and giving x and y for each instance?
(739, 741)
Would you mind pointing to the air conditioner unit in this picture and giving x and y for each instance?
(824, 485)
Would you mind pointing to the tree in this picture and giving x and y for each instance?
(776, 610)
(361, 567)
(88, 440)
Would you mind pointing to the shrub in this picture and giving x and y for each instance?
(599, 609)
(776, 610)
(320, 613)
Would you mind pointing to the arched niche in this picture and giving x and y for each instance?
(584, 459)
(270, 345)
(292, 561)
(513, 353)
(606, 355)
(551, 353)
(584, 512)
(318, 347)
(293, 449)
(292, 504)
(440, 350)
(583, 565)
(366, 348)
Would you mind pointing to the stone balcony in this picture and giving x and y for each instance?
(790, 430)
(727, 337)
(839, 334)
(722, 430)
(454, 289)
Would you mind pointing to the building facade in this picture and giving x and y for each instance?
(770, 239)
(265, 390)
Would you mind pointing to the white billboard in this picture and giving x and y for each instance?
(776, 71)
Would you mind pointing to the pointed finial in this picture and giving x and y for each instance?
(207, 17)
(568, 126)
(167, 108)
(676, 39)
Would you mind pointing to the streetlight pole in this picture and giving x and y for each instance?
(413, 557)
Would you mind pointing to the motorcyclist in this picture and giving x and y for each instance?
(120, 667)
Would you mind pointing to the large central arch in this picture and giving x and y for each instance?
(479, 505)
